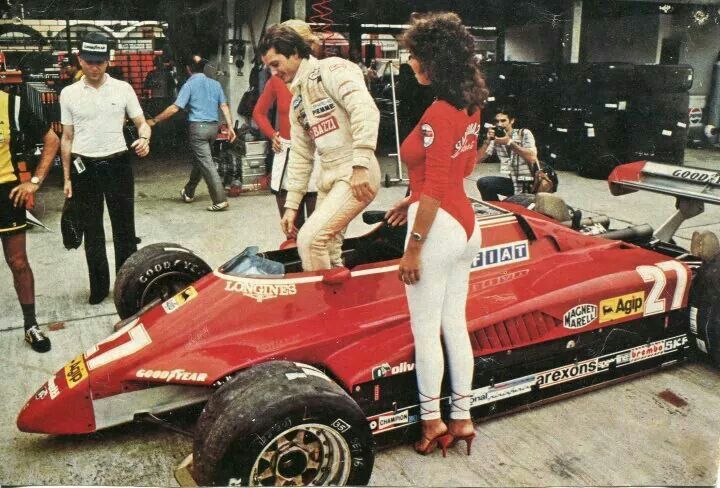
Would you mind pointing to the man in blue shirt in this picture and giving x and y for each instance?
(201, 97)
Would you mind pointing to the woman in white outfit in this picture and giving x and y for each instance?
(443, 237)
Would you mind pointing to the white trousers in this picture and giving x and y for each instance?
(437, 305)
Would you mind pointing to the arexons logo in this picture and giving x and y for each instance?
(622, 306)
(386, 370)
(580, 316)
(568, 373)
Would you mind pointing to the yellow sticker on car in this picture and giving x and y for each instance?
(622, 307)
(75, 372)
(180, 299)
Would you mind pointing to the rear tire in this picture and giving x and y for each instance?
(157, 271)
(282, 423)
(704, 311)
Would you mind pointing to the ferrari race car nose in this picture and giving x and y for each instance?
(63, 405)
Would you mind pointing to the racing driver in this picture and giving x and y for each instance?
(333, 112)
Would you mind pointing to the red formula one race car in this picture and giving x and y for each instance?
(303, 374)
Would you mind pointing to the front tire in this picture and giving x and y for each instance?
(282, 423)
(157, 271)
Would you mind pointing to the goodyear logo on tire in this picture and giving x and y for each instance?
(75, 372)
(622, 307)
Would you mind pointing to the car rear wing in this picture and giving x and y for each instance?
(680, 181)
(691, 187)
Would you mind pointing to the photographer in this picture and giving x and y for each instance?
(517, 152)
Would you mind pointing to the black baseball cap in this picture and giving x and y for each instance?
(95, 48)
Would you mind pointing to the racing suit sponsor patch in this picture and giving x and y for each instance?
(324, 127)
(323, 108)
(260, 291)
(622, 306)
(428, 134)
(75, 371)
(580, 316)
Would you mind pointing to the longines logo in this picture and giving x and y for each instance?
(260, 291)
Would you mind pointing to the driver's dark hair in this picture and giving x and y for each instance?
(285, 40)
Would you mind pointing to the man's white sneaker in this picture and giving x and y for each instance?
(216, 207)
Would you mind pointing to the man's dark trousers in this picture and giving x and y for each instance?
(110, 180)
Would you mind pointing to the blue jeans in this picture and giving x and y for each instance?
(202, 136)
(491, 187)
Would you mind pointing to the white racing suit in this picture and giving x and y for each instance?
(278, 180)
(333, 112)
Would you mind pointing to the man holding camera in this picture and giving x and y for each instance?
(517, 153)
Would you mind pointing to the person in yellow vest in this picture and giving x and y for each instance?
(17, 134)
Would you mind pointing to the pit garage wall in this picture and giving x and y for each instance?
(531, 42)
(236, 81)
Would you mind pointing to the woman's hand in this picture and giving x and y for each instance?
(409, 271)
(276, 143)
(397, 215)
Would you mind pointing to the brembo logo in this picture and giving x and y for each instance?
(260, 291)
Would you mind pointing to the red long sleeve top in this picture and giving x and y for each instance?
(439, 152)
(275, 91)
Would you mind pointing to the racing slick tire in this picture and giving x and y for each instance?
(157, 271)
(282, 423)
(704, 310)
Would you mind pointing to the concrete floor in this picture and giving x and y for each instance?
(622, 435)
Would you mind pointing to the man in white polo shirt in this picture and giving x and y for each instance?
(95, 160)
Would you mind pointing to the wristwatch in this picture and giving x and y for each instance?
(35, 180)
(416, 236)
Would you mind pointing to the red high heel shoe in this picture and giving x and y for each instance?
(443, 440)
(468, 440)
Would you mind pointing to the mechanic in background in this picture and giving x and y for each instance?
(277, 93)
(14, 196)
(333, 112)
(443, 238)
(96, 166)
(204, 99)
(516, 151)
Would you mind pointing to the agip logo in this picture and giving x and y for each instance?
(622, 307)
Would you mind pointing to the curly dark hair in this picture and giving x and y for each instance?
(446, 53)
